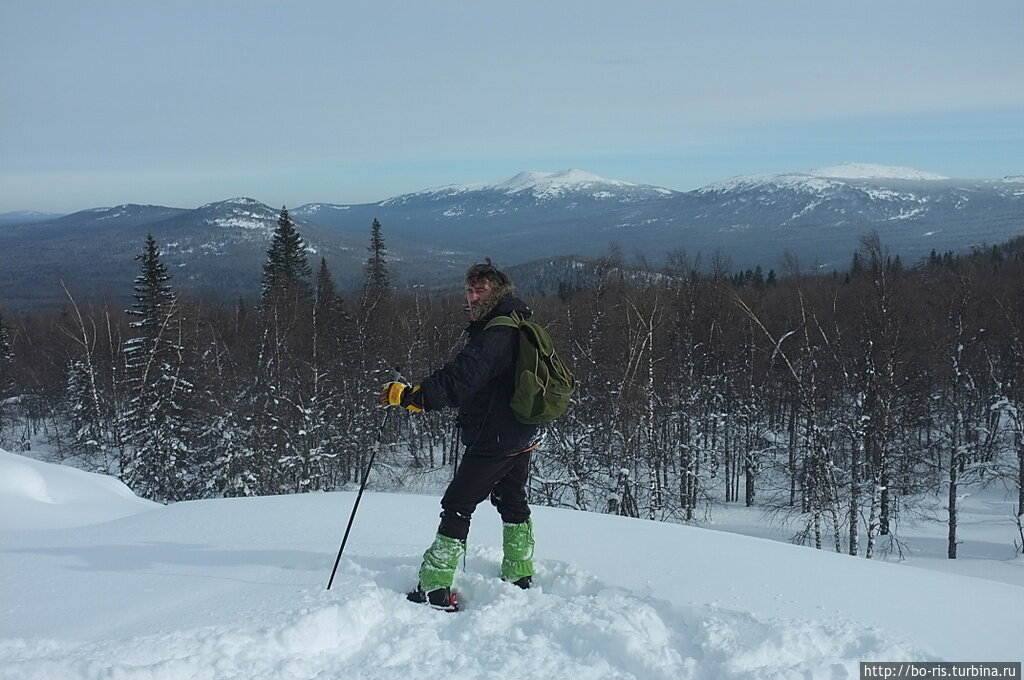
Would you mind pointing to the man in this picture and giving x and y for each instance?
(479, 382)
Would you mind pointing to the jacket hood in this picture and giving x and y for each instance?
(507, 304)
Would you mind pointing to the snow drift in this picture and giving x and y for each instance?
(36, 495)
(236, 589)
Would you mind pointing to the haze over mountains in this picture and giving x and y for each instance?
(815, 217)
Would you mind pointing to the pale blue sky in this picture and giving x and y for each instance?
(182, 102)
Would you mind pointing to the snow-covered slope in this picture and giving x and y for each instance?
(540, 187)
(548, 185)
(875, 171)
(245, 214)
(236, 589)
(825, 180)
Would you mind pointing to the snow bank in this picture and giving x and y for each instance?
(235, 588)
(38, 495)
(580, 629)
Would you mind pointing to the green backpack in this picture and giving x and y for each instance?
(544, 384)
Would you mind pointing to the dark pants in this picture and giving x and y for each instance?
(503, 478)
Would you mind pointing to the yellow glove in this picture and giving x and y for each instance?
(400, 394)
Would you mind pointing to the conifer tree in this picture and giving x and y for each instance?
(156, 427)
(286, 295)
(154, 297)
(331, 335)
(329, 359)
(287, 270)
(371, 340)
(378, 278)
(325, 293)
(276, 417)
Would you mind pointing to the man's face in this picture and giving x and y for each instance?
(476, 292)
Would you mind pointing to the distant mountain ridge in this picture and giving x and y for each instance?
(217, 248)
(26, 217)
(545, 186)
(815, 217)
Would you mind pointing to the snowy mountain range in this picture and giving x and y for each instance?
(219, 247)
(816, 217)
(542, 187)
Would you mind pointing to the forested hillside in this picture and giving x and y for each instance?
(836, 400)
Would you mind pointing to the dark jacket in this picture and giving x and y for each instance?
(480, 381)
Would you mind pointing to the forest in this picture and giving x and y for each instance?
(835, 402)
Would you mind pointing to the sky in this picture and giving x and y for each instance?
(187, 102)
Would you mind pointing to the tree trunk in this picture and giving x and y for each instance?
(953, 472)
(885, 504)
(856, 455)
(748, 469)
(792, 454)
(876, 493)
(1019, 437)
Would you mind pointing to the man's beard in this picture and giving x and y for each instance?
(485, 306)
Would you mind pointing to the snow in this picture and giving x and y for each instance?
(239, 201)
(314, 208)
(36, 495)
(555, 183)
(907, 214)
(817, 186)
(889, 195)
(546, 185)
(251, 222)
(543, 186)
(235, 588)
(822, 180)
(241, 213)
(874, 171)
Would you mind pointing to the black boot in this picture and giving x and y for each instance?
(524, 582)
(442, 598)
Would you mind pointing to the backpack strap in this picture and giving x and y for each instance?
(512, 320)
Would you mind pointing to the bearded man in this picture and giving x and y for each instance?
(479, 381)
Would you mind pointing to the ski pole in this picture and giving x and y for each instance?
(359, 496)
